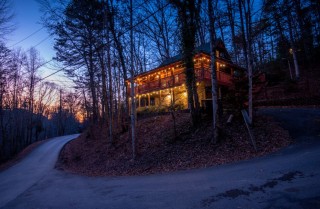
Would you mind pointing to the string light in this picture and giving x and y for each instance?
(167, 87)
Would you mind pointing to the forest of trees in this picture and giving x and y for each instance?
(102, 43)
(31, 108)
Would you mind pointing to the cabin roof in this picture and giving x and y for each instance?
(204, 48)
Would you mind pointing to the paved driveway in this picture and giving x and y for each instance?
(17, 179)
(287, 179)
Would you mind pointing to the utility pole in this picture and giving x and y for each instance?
(133, 108)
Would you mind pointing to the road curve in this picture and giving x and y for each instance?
(31, 169)
(289, 178)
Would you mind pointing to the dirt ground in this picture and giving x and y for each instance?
(158, 151)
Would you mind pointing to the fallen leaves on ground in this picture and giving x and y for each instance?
(92, 153)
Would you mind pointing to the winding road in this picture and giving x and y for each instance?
(289, 178)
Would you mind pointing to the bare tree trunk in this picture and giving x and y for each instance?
(85, 103)
(119, 48)
(60, 128)
(104, 92)
(200, 30)
(271, 43)
(246, 27)
(213, 74)
(92, 87)
(32, 65)
(109, 75)
(166, 35)
(232, 27)
(188, 12)
(244, 42)
(104, 102)
(118, 81)
(250, 57)
(294, 51)
(3, 139)
(110, 96)
(303, 33)
(133, 108)
(221, 29)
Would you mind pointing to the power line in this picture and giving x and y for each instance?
(41, 79)
(53, 80)
(99, 48)
(27, 37)
(121, 34)
(141, 21)
(41, 65)
(37, 44)
(40, 42)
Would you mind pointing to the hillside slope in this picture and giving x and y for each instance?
(158, 152)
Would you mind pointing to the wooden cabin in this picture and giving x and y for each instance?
(165, 85)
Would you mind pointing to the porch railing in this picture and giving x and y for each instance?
(179, 79)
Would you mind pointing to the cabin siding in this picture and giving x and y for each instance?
(164, 86)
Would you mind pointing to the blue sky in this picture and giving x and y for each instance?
(27, 20)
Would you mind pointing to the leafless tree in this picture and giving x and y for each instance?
(213, 72)
(160, 29)
(6, 16)
(33, 63)
(133, 106)
(245, 9)
(188, 12)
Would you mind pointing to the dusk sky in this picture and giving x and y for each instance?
(27, 20)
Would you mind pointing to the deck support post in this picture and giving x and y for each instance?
(139, 102)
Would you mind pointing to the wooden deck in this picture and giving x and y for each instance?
(179, 79)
